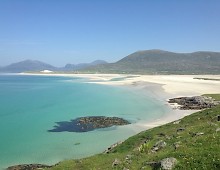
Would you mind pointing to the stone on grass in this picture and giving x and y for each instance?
(176, 122)
(176, 145)
(116, 162)
(168, 163)
(180, 129)
(217, 130)
(199, 133)
(159, 145)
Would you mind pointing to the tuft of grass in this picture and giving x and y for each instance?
(198, 146)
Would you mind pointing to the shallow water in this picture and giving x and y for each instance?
(30, 106)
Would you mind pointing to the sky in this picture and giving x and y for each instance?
(76, 31)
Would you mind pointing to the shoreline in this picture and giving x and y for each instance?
(165, 87)
(162, 88)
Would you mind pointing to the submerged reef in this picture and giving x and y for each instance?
(85, 124)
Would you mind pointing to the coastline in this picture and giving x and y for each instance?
(162, 88)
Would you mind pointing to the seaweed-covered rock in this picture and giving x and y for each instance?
(194, 103)
(84, 124)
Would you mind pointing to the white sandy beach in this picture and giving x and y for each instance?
(162, 87)
(174, 85)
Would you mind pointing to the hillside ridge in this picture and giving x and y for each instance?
(163, 62)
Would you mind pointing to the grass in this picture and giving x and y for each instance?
(214, 96)
(194, 151)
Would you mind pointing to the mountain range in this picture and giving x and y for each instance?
(34, 65)
(140, 62)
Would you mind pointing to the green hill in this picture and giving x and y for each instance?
(193, 142)
(163, 62)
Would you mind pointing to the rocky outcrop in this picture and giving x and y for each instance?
(168, 163)
(28, 167)
(159, 145)
(85, 124)
(116, 162)
(194, 103)
(109, 149)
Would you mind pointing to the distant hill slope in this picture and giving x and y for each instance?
(164, 62)
(34, 65)
(72, 67)
(27, 65)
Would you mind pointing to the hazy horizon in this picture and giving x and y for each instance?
(60, 32)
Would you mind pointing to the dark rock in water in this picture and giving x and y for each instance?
(85, 124)
(28, 167)
(194, 103)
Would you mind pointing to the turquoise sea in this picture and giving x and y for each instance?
(31, 105)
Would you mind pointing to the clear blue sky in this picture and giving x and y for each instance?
(74, 31)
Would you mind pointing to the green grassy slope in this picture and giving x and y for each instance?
(196, 146)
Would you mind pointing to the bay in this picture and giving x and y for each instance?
(31, 105)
